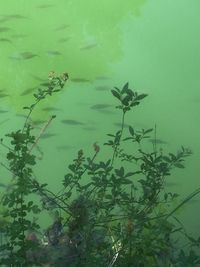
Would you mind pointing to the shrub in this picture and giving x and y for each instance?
(106, 215)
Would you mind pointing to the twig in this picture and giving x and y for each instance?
(41, 133)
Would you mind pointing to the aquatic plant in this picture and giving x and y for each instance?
(106, 214)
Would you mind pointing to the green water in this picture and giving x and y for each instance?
(152, 44)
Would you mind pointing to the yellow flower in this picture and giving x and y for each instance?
(64, 76)
(51, 75)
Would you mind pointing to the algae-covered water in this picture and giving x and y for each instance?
(154, 45)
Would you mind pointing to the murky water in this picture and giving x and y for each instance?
(152, 44)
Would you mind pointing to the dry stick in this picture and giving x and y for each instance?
(41, 133)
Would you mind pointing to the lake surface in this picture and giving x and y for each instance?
(153, 45)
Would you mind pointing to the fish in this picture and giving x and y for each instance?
(45, 84)
(171, 184)
(19, 35)
(158, 142)
(105, 111)
(89, 128)
(37, 122)
(5, 40)
(28, 91)
(63, 40)
(80, 80)
(16, 16)
(62, 27)
(4, 29)
(47, 135)
(23, 55)
(89, 46)
(50, 109)
(3, 111)
(21, 115)
(54, 53)
(102, 88)
(3, 95)
(101, 106)
(102, 78)
(72, 122)
(28, 55)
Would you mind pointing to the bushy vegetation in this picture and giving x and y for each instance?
(107, 214)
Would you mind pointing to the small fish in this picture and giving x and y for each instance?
(27, 91)
(63, 40)
(80, 80)
(50, 109)
(89, 46)
(62, 27)
(28, 55)
(4, 29)
(102, 78)
(171, 184)
(100, 106)
(5, 40)
(21, 115)
(72, 122)
(24, 55)
(45, 84)
(3, 95)
(47, 135)
(3, 111)
(102, 88)
(37, 122)
(89, 128)
(54, 53)
(105, 111)
(19, 35)
(158, 142)
(16, 16)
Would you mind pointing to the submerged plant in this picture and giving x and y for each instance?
(106, 214)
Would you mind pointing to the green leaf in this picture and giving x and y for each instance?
(120, 172)
(140, 97)
(179, 165)
(126, 181)
(116, 94)
(125, 100)
(148, 131)
(129, 174)
(131, 130)
(125, 88)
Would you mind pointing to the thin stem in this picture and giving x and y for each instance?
(116, 145)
